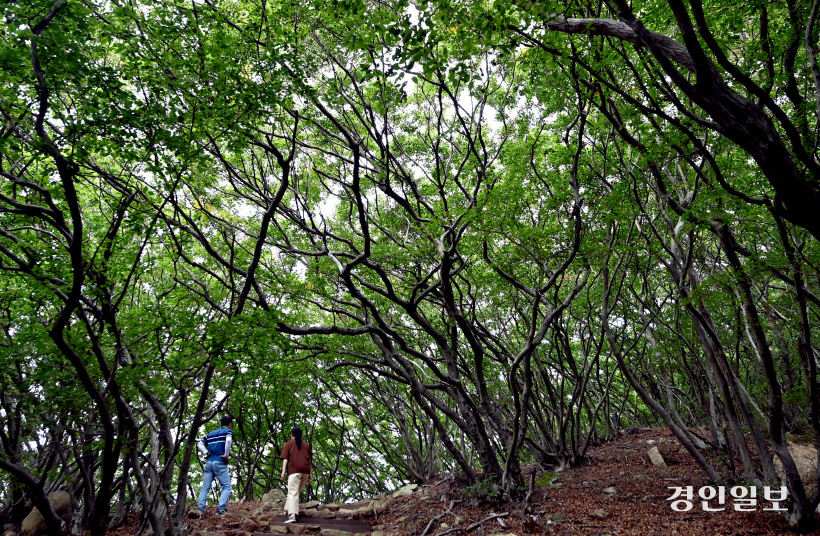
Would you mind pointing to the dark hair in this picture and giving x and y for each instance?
(226, 420)
(297, 434)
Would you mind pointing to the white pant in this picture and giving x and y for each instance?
(296, 482)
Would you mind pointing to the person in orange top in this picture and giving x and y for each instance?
(297, 469)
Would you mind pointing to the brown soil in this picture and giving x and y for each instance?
(574, 503)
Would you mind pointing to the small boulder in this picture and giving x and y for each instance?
(335, 532)
(656, 458)
(405, 491)
(332, 507)
(266, 508)
(249, 525)
(380, 505)
(599, 514)
(610, 491)
(298, 528)
(207, 533)
(194, 513)
(34, 524)
(279, 529)
(309, 504)
(805, 458)
(274, 496)
(557, 517)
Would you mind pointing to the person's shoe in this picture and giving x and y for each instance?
(221, 512)
(290, 519)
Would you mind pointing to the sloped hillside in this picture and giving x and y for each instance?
(619, 491)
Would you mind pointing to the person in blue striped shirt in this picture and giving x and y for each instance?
(216, 448)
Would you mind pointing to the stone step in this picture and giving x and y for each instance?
(313, 529)
(354, 506)
(343, 525)
(330, 523)
(327, 531)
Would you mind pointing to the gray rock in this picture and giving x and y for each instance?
(335, 532)
(405, 491)
(656, 458)
(249, 525)
(610, 491)
(805, 458)
(557, 517)
(60, 502)
(273, 496)
(599, 513)
(379, 505)
(298, 528)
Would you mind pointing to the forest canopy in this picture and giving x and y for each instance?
(439, 236)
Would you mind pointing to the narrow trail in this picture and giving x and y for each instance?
(618, 490)
(341, 524)
(267, 518)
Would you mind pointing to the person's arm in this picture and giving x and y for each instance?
(227, 447)
(201, 446)
(285, 455)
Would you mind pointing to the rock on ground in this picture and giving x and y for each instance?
(35, 525)
(274, 496)
(805, 457)
(656, 458)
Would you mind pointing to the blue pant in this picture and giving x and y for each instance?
(219, 470)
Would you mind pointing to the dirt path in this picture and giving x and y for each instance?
(618, 492)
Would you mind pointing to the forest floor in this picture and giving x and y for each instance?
(616, 492)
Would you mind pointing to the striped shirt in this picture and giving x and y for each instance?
(216, 444)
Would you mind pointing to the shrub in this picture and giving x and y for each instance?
(486, 491)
